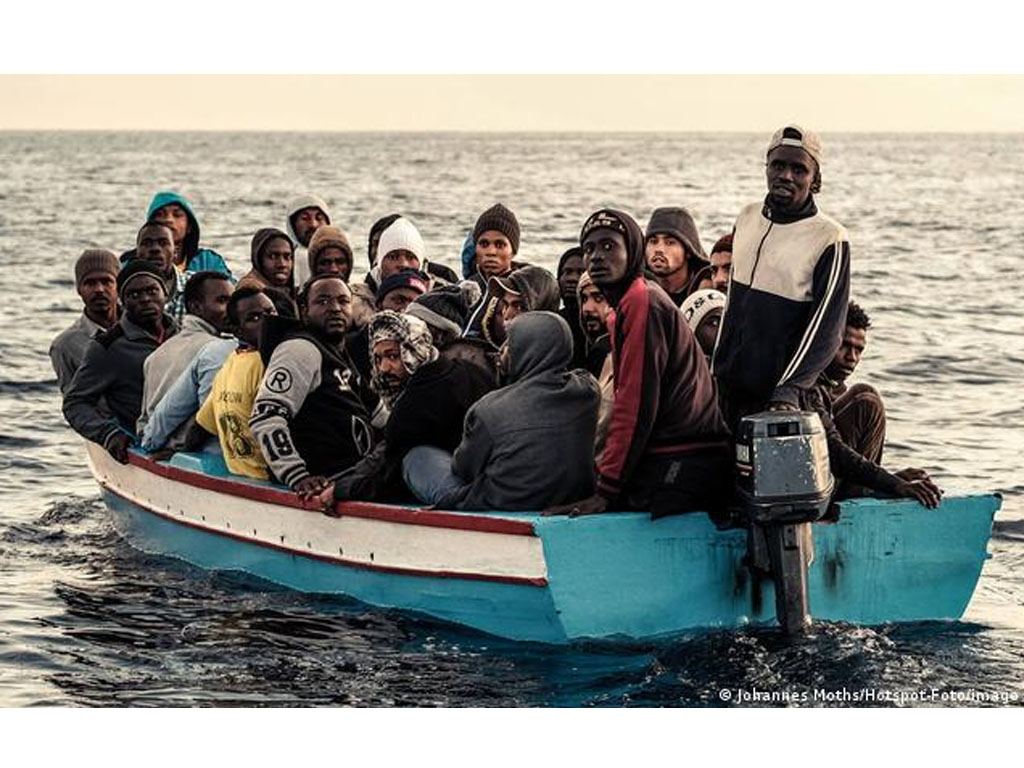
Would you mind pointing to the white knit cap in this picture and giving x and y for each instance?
(698, 304)
(401, 235)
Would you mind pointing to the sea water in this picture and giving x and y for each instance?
(85, 619)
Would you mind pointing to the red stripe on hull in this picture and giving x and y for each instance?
(437, 519)
(520, 580)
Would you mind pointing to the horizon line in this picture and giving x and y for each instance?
(520, 131)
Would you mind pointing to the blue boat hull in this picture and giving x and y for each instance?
(613, 575)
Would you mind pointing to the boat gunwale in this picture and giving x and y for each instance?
(464, 521)
(331, 559)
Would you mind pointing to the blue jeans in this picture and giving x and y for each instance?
(427, 472)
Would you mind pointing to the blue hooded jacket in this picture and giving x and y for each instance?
(196, 259)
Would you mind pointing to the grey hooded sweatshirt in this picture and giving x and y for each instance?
(301, 262)
(530, 444)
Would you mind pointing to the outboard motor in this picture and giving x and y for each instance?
(783, 485)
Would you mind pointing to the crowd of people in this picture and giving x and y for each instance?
(615, 383)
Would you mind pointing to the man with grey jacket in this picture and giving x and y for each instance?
(207, 295)
(96, 282)
(111, 371)
(526, 446)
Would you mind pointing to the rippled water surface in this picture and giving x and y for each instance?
(87, 620)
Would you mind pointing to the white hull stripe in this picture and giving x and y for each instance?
(362, 541)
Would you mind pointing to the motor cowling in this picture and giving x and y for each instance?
(782, 470)
(783, 484)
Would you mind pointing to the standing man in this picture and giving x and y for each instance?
(309, 418)
(96, 283)
(667, 448)
(674, 253)
(175, 211)
(790, 286)
(306, 213)
(112, 368)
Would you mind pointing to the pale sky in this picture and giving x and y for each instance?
(756, 103)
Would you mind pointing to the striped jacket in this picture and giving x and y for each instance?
(786, 307)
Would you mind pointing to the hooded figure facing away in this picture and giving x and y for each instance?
(527, 445)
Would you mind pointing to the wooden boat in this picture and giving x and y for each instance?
(547, 579)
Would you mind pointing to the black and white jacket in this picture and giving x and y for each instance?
(786, 306)
(311, 415)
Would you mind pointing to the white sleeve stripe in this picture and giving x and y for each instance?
(815, 324)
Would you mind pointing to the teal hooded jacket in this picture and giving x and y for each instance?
(196, 259)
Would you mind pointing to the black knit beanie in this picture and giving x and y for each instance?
(500, 219)
(403, 278)
(135, 268)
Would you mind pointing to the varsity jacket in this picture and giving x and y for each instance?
(786, 307)
(308, 417)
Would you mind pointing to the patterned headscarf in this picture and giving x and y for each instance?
(414, 341)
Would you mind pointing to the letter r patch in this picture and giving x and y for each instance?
(279, 380)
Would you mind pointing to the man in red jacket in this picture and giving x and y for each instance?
(667, 448)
